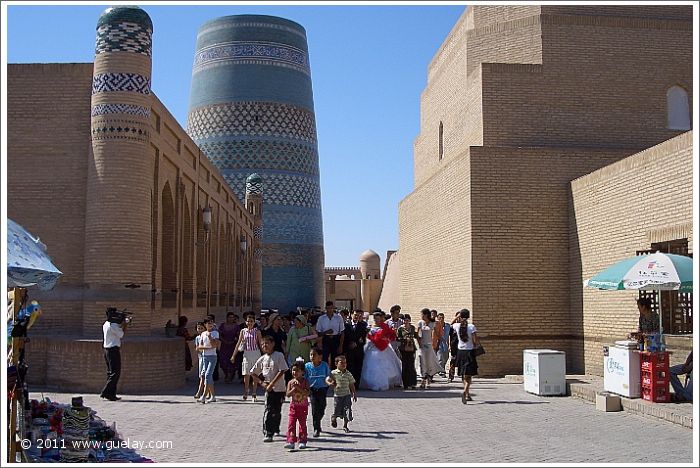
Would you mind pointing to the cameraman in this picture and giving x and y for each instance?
(113, 330)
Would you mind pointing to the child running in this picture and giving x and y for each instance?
(298, 390)
(272, 366)
(316, 373)
(344, 385)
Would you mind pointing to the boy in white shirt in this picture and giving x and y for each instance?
(272, 365)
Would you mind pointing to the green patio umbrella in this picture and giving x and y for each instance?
(657, 271)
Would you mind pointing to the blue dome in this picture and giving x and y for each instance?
(253, 178)
(125, 13)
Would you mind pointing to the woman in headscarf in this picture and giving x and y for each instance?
(185, 333)
(299, 340)
(228, 332)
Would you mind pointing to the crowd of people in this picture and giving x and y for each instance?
(307, 353)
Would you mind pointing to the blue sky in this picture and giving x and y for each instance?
(369, 67)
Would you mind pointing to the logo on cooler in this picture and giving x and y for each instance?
(615, 367)
(530, 370)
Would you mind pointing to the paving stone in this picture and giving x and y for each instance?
(502, 424)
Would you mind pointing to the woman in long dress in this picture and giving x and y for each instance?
(382, 368)
(185, 333)
(228, 333)
(407, 348)
(428, 359)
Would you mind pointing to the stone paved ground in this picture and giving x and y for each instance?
(502, 424)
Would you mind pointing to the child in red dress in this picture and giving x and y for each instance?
(298, 390)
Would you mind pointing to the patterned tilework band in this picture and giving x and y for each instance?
(129, 82)
(280, 188)
(292, 225)
(273, 154)
(130, 109)
(253, 52)
(123, 37)
(219, 26)
(121, 129)
(253, 187)
(288, 271)
(252, 118)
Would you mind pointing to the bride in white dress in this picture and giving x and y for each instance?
(382, 367)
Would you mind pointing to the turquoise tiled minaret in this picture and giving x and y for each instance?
(252, 111)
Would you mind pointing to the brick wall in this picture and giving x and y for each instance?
(599, 85)
(618, 210)
(435, 241)
(453, 94)
(669, 12)
(48, 140)
(514, 102)
(391, 289)
(520, 243)
(449, 92)
(516, 40)
(49, 162)
(78, 364)
(486, 15)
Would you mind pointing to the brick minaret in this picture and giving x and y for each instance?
(254, 204)
(118, 221)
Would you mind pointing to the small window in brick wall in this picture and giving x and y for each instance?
(677, 108)
(441, 146)
(676, 308)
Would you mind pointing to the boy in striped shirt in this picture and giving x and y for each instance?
(343, 384)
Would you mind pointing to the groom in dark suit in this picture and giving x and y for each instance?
(354, 344)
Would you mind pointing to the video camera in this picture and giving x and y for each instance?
(117, 316)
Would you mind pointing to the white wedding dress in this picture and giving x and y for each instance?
(381, 369)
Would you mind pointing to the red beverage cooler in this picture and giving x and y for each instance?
(655, 376)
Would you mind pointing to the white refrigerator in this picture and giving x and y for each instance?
(544, 371)
(621, 372)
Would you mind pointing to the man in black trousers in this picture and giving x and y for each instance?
(354, 343)
(113, 331)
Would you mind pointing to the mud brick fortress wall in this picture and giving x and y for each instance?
(115, 188)
(520, 101)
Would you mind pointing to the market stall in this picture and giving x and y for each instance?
(639, 366)
(28, 266)
(74, 433)
(46, 431)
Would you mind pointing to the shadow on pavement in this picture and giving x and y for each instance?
(516, 402)
(331, 439)
(367, 434)
(336, 449)
(169, 402)
(428, 393)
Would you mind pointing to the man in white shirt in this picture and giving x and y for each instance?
(332, 328)
(112, 330)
